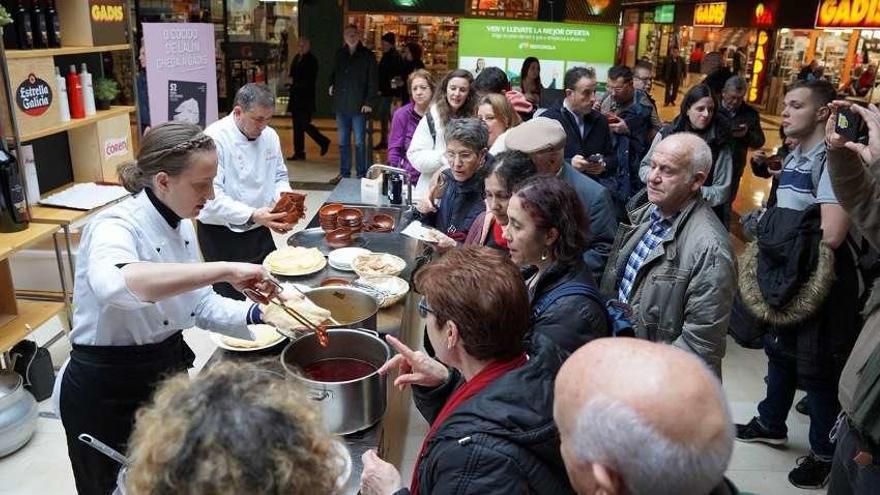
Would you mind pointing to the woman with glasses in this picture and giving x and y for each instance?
(457, 199)
(454, 98)
(489, 394)
(503, 175)
(698, 115)
(548, 231)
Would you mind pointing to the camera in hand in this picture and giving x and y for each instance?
(851, 126)
(596, 158)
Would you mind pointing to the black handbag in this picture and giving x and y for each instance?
(34, 364)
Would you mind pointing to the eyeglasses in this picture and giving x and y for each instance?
(463, 156)
(423, 308)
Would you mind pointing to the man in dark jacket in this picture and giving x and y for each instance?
(673, 74)
(544, 140)
(586, 130)
(390, 84)
(621, 433)
(353, 84)
(745, 125)
(303, 73)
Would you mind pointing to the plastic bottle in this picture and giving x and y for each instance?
(75, 94)
(88, 92)
(62, 98)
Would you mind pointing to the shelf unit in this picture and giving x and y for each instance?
(77, 123)
(18, 315)
(67, 50)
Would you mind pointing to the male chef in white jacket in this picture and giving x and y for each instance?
(250, 178)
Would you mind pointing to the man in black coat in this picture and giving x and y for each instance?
(673, 74)
(746, 132)
(390, 84)
(586, 130)
(353, 83)
(303, 72)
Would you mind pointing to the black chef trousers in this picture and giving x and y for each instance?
(102, 388)
(218, 243)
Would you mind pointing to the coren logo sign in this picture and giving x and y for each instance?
(710, 14)
(848, 13)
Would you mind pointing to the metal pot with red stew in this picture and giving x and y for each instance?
(342, 377)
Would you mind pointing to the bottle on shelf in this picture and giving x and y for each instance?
(61, 83)
(38, 26)
(53, 25)
(75, 94)
(13, 207)
(21, 19)
(88, 92)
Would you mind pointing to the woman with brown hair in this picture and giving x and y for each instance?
(549, 231)
(530, 80)
(489, 394)
(498, 114)
(191, 440)
(406, 119)
(453, 99)
(138, 284)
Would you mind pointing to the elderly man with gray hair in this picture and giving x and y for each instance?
(637, 418)
(745, 131)
(674, 267)
(251, 175)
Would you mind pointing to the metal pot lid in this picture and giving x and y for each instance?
(9, 383)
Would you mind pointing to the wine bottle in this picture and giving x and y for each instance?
(22, 21)
(38, 26)
(53, 25)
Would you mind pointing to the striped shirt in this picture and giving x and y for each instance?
(656, 233)
(796, 189)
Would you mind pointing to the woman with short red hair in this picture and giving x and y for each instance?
(490, 405)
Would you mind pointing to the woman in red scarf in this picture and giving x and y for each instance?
(490, 405)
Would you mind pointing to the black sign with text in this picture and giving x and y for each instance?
(33, 96)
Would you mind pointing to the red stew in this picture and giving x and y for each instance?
(338, 370)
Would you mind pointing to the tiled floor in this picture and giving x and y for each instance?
(42, 467)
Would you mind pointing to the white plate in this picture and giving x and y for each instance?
(342, 268)
(218, 339)
(341, 258)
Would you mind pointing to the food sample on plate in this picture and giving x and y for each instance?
(378, 264)
(294, 260)
(433, 235)
(291, 203)
(264, 335)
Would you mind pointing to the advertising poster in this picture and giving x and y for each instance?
(181, 72)
(558, 47)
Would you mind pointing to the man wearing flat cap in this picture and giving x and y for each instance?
(543, 140)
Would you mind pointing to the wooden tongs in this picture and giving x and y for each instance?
(320, 330)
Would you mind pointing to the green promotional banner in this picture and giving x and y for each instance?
(558, 46)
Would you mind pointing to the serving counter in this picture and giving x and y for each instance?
(400, 320)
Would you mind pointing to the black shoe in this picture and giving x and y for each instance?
(811, 472)
(324, 147)
(802, 407)
(295, 157)
(336, 179)
(754, 432)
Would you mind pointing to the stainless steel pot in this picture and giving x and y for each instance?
(351, 307)
(18, 413)
(346, 407)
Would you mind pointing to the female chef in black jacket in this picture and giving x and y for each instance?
(138, 284)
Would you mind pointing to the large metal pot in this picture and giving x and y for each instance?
(352, 308)
(346, 407)
(18, 413)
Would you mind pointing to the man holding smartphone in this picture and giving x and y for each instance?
(745, 130)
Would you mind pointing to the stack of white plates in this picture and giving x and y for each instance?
(341, 258)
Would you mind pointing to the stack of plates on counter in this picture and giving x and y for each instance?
(341, 259)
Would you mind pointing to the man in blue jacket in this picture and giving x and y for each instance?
(543, 140)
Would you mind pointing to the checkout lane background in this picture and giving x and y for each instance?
(559, 47)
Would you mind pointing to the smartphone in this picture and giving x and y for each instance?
(595, 158)
(851, 126)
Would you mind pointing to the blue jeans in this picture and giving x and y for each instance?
(344, 124)
(781, 385)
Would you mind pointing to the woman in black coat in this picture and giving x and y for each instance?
(548, 231)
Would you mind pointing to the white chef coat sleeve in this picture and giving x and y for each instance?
(112, 245)
(282, 181)
(222, 315)
(223, 210)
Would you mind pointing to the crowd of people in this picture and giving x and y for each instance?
(565, 229)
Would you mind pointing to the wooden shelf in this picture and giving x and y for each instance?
(75, 123)
(60, 216)
(16, 241)
(31, 314)
(68, 50)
